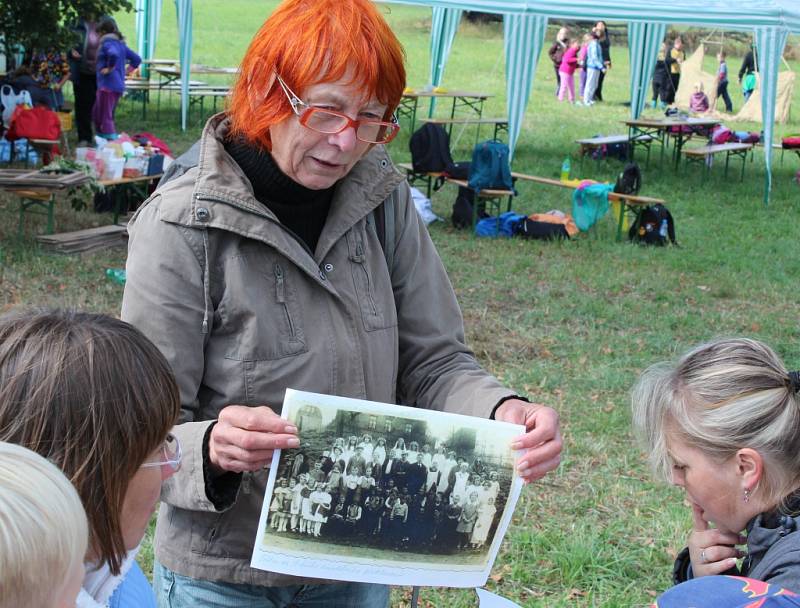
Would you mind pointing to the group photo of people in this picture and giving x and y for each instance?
(276, 384)
(414, 493)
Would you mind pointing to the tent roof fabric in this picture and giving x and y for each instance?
(733, 14)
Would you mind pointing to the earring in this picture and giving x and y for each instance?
(746, 495)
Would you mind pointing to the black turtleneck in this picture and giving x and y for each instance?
(302, 210)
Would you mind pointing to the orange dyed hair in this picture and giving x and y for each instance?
(309, 42)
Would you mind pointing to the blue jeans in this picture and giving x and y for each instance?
(176, 591)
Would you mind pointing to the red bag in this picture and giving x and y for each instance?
(33, 123)
(145, 138)
(791, 142)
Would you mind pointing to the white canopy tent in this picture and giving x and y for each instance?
(526, 20)
(524, 29)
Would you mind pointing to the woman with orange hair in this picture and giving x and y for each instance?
(290, 255)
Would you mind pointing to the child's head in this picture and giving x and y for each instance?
(722, 399)
(107, 25)
(587, 37)
(575, 43)
(721, 56)
(91, 394)
(678, 43)
(43, 532)
(698, 86)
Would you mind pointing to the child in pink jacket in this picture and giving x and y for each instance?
(566, 71)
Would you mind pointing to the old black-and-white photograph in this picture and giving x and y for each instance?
(378, 484)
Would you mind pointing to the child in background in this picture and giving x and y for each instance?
(566, 71)
(594, 67)
(114, 61)
(699, 100)
(722, 81)
(587, 38)
(44, 532)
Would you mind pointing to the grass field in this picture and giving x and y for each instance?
(570, 324)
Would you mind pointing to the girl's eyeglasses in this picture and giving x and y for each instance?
(331, 122)
(170, 455)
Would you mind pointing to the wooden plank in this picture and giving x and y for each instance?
(633, 199)
(467, 121)
(485, 193)
(84, 240)
(706, 150)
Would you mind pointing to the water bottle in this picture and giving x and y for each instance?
(565, 169)
(116, 274)
(663, 229)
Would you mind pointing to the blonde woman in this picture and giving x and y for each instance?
(723, 423)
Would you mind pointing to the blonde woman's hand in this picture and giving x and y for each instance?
(712, 551)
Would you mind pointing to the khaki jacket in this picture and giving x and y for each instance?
(242, 310)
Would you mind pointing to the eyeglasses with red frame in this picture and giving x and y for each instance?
(331, 122)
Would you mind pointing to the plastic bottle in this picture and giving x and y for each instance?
(116, 274)
(663, 230)
(565, 169)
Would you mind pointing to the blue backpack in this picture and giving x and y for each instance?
(490, 167)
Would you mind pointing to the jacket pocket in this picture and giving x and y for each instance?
(372, 286)
(261, 311)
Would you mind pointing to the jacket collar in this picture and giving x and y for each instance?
(765, 529)
(220, 181)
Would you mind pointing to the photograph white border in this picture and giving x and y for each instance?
(390, 572)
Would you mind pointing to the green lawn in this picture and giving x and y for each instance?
(570, 324)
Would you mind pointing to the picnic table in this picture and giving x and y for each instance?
(37, 189)
(499, 124)
(590, 144)
(470, 100)
(681, 129)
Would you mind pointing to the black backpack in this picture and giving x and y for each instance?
(462, 208)
(630, 180)
(546, 231)
(653, 226)
(430, 149)
(430, 153)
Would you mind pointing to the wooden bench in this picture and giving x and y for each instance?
(703, 154)
(632, 203)
(34, 197)
(424, 176)
(590, 144)
(491, 198)
(500, 124)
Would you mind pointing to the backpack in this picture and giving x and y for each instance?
(430, 149)
(791, 142)
(653, 226)
(630, 180)
(462, 208)
(532, 229)
(490, 168)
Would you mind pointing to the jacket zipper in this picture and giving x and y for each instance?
(359, 259)
(280, 294)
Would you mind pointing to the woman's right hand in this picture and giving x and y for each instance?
(244, 438)
(711, 550)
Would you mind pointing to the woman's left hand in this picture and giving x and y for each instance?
(711, 550)
(542, 439)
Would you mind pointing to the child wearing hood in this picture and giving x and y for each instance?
(699, 100)
(114, 61)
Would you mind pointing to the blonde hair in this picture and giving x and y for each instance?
(43, 529)
(720, 397)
